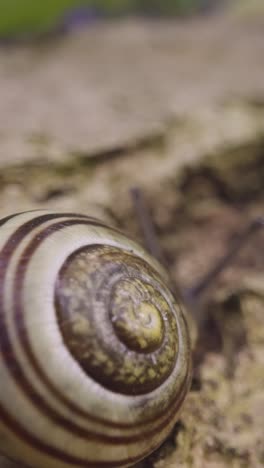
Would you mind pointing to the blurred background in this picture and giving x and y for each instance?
(21, 18)
(99, 96)
(25, 18)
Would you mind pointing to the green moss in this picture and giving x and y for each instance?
(23, 16)
(27, 17)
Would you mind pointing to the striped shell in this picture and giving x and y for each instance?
(94, 350)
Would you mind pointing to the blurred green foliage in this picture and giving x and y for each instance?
(20, 17)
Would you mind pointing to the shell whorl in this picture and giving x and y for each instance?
(94, 350)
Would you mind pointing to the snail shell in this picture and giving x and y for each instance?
(94, 349)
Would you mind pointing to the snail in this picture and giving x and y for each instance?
(95, 358)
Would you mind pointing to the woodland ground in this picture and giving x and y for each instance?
(178, 109)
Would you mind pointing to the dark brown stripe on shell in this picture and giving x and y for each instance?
(8, 354)
(23, 434)
(5, 342)
(23, 337)
(56, 453)
(7, 218)
(22, 334)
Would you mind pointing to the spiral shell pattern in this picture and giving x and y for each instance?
(94, 349)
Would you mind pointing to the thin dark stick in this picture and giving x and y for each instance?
(192, 295)
(145, 220)
(196, 291)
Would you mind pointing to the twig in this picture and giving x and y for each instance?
(193, 294)
(146, 224)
